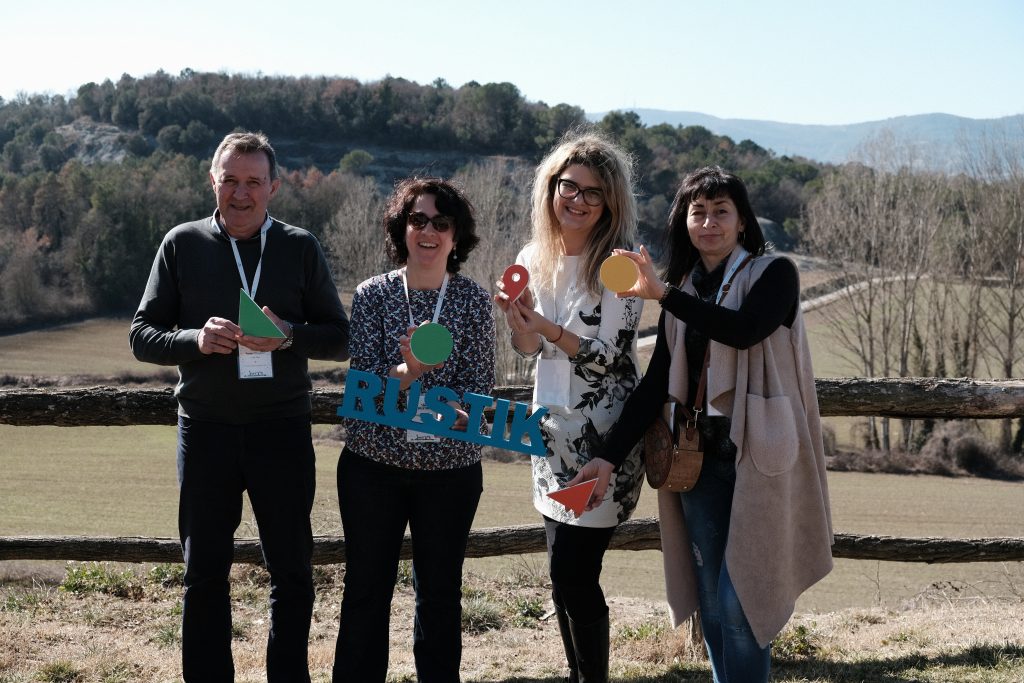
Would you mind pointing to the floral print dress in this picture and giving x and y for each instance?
(600, 377)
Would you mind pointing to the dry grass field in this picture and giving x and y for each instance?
(102, 624)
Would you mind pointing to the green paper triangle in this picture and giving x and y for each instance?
(253, 321)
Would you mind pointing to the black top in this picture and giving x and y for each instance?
(194, 278)
(772, 301)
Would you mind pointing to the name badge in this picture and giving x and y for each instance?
(422, 413)
(254, 364)
(552, 382)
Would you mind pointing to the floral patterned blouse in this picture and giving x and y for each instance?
(380, 315)
(601, 376)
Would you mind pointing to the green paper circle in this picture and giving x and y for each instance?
(431, 343)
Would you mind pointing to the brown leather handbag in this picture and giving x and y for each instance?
(674, 463)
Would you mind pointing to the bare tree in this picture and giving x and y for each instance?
(500, 191)
(354, 238)
(994, 208)
(877, 225)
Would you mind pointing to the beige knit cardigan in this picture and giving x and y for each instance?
(780, 532)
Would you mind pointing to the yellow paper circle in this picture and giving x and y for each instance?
(618, 273)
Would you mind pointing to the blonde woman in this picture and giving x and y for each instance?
(584, 339)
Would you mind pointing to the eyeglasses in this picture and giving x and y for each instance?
(592, 196)
(419, 220)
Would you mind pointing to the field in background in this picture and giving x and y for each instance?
(121, 481)
(92, 350)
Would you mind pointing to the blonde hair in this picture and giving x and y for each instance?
(615, 228)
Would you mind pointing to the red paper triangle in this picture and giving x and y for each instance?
(576, 497)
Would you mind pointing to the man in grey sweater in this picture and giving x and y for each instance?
(243, 401)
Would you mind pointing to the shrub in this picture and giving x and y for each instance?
(645, 631)
(120, 672)
(526, 610)
(526, 572)
(958, 447)
(952, 448)
(20, 602)
(355, 162)
(59, 672)
(479, 614)
(828, 437)
(798, 642)
(167, 575)
(167, 635)
(404, 576)
(100, 578)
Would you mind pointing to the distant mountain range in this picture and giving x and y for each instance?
(935, 136)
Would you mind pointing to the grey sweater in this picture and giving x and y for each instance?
(195, 277)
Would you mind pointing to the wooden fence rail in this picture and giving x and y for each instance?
(913, 397)
(897, 398)
(637, 534)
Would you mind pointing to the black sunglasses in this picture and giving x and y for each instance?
(419, 220)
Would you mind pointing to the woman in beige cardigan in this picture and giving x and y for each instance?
(755, 531)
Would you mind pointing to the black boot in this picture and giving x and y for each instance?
(570, 650)
(591, 644)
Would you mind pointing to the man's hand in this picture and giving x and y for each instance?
(266, 343)
(219, 336)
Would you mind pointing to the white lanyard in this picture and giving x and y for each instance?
(259, 264)
(570, 271)
(440, 299)
(741, 254)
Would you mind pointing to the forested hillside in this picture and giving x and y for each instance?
(89, 184)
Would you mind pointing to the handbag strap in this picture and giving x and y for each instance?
(698, 399)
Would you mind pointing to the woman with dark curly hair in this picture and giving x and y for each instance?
(388, 477)
(584, 339)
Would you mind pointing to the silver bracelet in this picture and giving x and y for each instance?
(664, 295)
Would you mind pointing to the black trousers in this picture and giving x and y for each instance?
(575, 556)
(274, 462)
(377, 502)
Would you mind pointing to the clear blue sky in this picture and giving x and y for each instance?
(797, 61)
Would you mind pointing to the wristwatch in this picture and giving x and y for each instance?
(287, 343)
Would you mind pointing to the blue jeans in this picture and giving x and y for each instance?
(735, 655)
(274, 462)
(377, 502)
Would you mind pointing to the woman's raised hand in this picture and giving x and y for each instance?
(648, 285)
(516, 312)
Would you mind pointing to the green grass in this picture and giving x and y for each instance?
(91, 348)
(121, 481)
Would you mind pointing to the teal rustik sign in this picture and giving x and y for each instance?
(434, 415)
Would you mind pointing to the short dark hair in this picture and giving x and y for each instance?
(246, 142)
(450, 201)
(710, 182)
